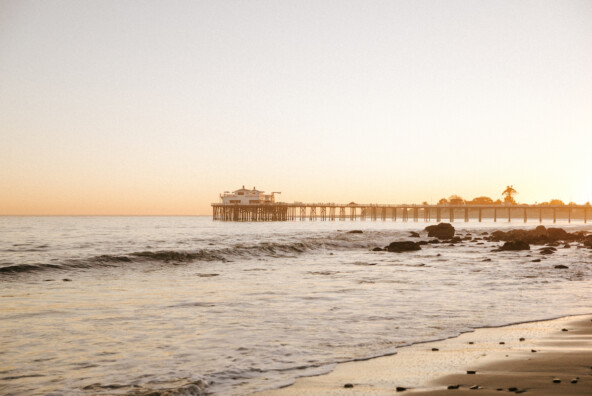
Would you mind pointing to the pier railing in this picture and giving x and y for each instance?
(403, 212)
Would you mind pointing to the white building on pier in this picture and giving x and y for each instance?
(245, 196)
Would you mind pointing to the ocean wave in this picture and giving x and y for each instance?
(321, 243)
(19, 268)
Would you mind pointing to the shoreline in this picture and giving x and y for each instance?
(501, 357)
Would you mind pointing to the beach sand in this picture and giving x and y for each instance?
(524, 358)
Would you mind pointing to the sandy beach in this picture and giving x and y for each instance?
(542, 358)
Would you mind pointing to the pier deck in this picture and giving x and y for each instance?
(374, 212)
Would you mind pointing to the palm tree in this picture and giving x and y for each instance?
(509, 193)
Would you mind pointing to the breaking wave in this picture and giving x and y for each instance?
(322, 243)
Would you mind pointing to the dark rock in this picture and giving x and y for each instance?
(456, 240)
(522, 339)
(514, 245)
(567, 246)
(512, 389)
(377, 249)
(453, 386)
(533, 350)
(471, 372)
(574, 381)
(564, 330)
(434, 241)
(557, 234)
(422, 243)
(502, 343)
(487, 259)
(536, 260)
(435, 349)
(67, 280)
(547, 250)
(561, 266)
(474, 387)
(400, 389)
(556, 381)
(348, 385)
(405, 246)
(414, 234)
(355, 232)
(441, 231)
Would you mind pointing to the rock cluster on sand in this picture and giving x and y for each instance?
(441, 231)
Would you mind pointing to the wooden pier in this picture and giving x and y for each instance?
(374, 212)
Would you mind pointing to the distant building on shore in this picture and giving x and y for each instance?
(245, 196)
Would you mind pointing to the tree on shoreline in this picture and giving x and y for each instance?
(456, 200)
(481, 201)
(556, 202)
(508, 194)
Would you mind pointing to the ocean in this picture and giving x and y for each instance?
(131, 305)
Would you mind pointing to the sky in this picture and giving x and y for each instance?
(155, 108)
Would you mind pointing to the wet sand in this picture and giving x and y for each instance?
(540, 358)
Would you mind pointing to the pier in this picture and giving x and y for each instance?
(416, 213)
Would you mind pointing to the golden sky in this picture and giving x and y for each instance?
(151, 108)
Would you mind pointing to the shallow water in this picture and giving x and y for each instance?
(128, 304)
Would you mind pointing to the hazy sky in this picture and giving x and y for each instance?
(155, 107)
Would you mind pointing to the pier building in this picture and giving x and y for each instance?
(244, 196)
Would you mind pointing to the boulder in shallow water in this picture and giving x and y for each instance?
(355, 232)
(441, 231)
(557, 234)
(514, 245)
(547, 250)
(377, 249)
(561, 266)
(405, 246)
(414, 234)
